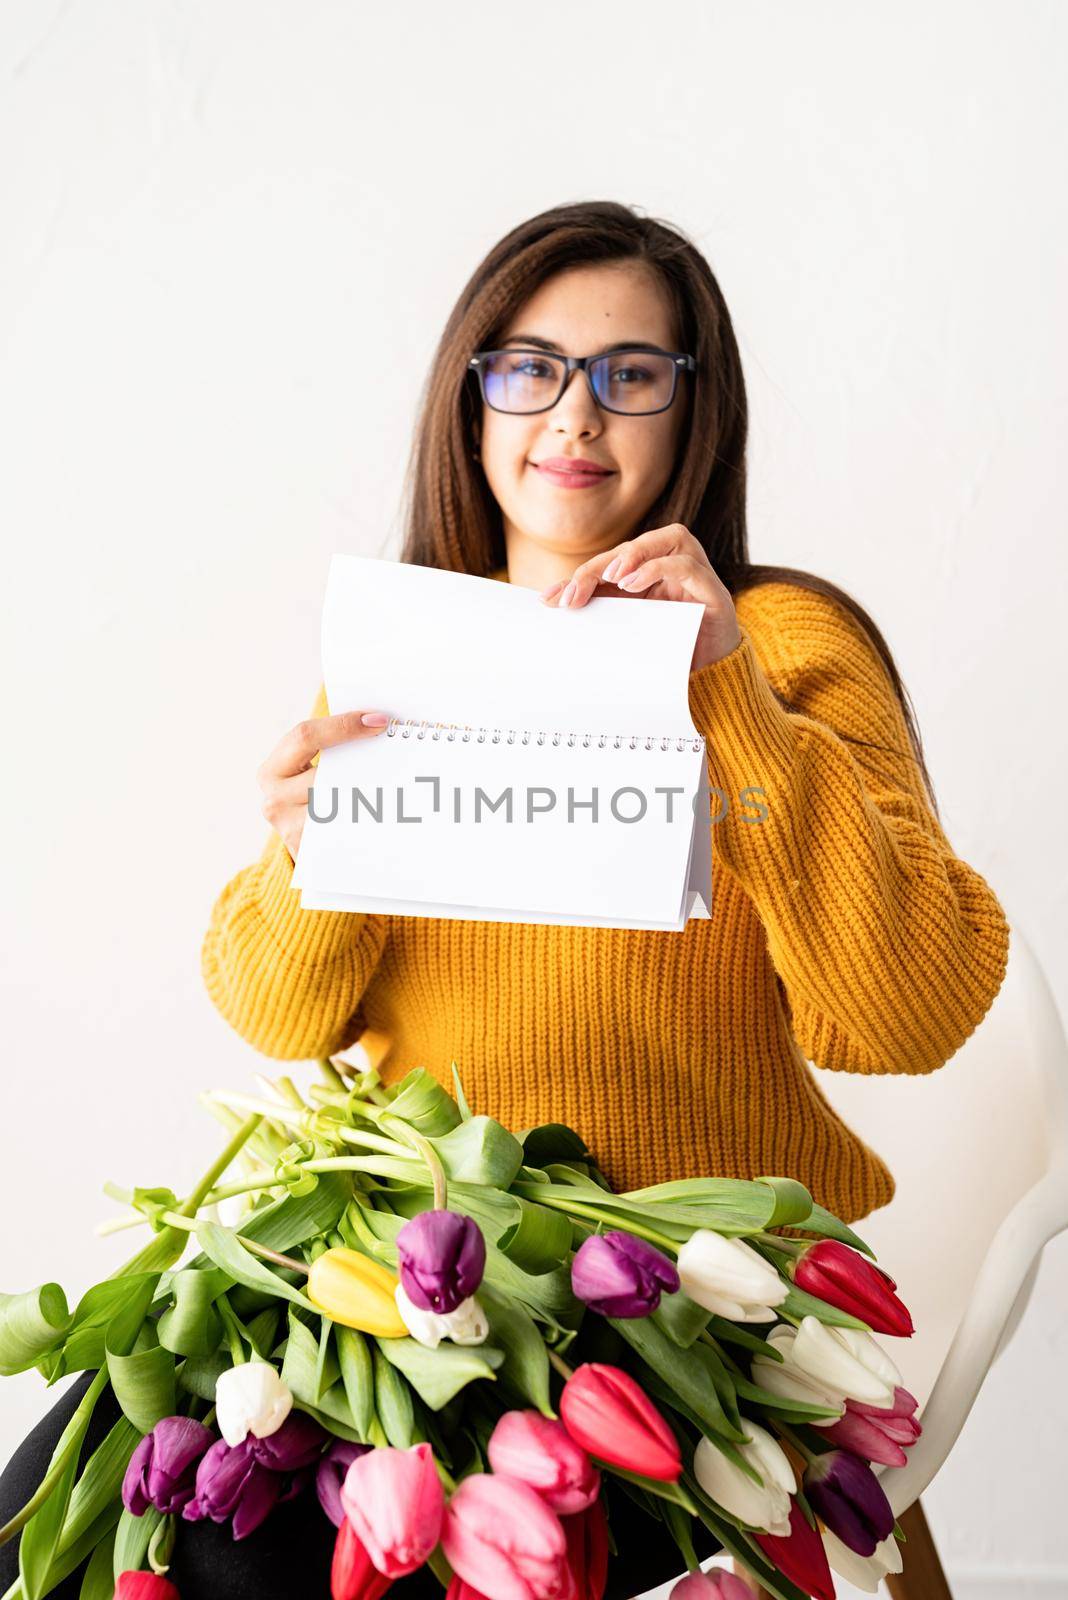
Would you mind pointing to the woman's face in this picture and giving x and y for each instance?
(580, 312)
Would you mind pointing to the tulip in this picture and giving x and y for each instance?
(162, 1470)
(356, 1291)
(466, 1325)
(539, 1450)
(330, 1475)
(877, 1433)
(847, 1360)
(353, 1575)
(715, 1584)
(787, 1379)
(612, 1417)
(459, 1590)
(586, 1533)
(764, 1506)
(232, 1483)
(621, 1275)
(250, 1398)
(844, 1492)
(729, 1277)
(296, 1444)
(502, 1538)
(144, 1586)
(848, 1280)
(800, 1556)
(863, 1573)
(441, 1257)
(395, 1501)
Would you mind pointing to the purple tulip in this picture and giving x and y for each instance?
(232, 1483)
(330, 1475)
(296, 1444)
(162, 1469)
(441, 1257)
(845, 1492)
(621, 1275)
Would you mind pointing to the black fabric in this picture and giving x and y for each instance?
(290, 1553)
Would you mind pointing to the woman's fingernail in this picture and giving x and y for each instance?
(610, 571)
(625, 580)
(547, 594)
(375, 719)
(568, 594)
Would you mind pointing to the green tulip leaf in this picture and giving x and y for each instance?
(526, 1360)
(437, 1375)
(226, 1250)
(31, 1324)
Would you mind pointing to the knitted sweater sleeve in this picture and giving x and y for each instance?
(288, 980)
(889, 949)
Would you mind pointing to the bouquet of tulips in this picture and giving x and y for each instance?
(450, 1333)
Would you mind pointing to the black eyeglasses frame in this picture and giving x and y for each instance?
(681, 363)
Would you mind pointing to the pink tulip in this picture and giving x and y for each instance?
(716, 1584)
(612, 1417)
(877, 1433)
(459, 1590)
(539, 1450)
(395, 1502)
(503, 1540)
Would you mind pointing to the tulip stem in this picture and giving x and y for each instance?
(420, 1142)
(789, 1247)
(174, 1219)
(582, 1209)
(560, 1364)
(795, 1439)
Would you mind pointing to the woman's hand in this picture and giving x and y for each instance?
(287, 774)
(663, 564)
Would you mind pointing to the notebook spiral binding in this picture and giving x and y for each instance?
(413, 728)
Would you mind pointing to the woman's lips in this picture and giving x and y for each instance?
(572, 477)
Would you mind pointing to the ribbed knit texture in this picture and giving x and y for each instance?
(844, 932)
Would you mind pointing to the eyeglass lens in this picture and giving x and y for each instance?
(625, 380)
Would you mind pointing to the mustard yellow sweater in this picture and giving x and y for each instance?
(844, 932)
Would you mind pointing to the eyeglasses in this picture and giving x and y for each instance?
(636, 383)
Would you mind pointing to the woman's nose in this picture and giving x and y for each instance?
(576, 409)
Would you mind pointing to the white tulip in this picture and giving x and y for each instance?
(251, 1398)
(847, 1360)
(789, 1380)
(729, 1277)
(467, 1324)
(863, 1572)
(767, 1507)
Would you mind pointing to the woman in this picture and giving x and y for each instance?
(844, 929)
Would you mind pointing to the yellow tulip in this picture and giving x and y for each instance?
(356, 1291)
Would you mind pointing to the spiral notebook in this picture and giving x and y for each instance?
(540, 765)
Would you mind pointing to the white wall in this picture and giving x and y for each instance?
(231, 235)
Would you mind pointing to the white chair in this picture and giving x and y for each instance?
(979, 1152)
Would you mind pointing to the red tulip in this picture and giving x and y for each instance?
(612, 1417)
(144, 1586)
(848, 1280)
(353, 1575)
(459, 1589)
(800, 1555)
(587, 1550)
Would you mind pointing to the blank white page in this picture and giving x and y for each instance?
(573, 797)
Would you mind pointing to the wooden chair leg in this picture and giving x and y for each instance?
(921, 1577)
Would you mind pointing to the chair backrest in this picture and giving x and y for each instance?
(964, 1144)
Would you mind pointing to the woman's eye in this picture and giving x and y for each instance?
(630, 375)
(531, 367)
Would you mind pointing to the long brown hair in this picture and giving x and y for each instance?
(451, 518)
